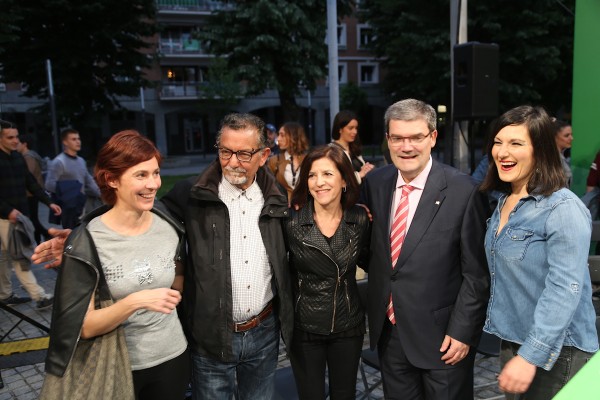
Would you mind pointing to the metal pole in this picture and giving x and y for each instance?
(310, 125)
(55, 138)
(332, 45)
(143, 106)
(460, 129)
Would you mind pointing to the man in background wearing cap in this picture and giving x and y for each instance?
(272, 138)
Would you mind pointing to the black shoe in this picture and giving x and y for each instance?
(14, 300)
(44, 303)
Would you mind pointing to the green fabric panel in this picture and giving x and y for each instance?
(585, 385)
(586, 91)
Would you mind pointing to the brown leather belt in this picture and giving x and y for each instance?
(254, 321)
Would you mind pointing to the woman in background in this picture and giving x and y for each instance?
(293, 145)
(137, 247)
(327, 237)
(563, 136)
(537, 246)
(345, 134)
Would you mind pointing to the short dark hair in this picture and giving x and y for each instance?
(548, 175)
(7, 125)
(27, 139)
(239, 121)
(340, 120)
(301, 194)
(67, 131)
(122, 151)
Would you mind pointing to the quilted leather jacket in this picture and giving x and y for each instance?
(326, 298)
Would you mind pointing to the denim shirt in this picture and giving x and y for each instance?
(541, 295)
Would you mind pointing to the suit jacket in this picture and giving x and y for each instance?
(440, 285)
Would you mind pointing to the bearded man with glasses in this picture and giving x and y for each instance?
(237, 291)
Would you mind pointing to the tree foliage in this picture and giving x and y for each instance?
(272, 44)
(535, 41)
(98, 51)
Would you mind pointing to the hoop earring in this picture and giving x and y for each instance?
(344, 189)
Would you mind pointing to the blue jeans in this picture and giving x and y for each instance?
(251, 376)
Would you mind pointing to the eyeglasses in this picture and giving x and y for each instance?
(397, 140)
(242, 155)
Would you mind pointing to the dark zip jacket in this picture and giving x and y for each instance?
(77, 280)
(207, 299)
(323, 275)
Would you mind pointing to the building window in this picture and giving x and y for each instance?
(343, 73)
(341, 30)
(341, 36)
(369, 73)
(365, 36)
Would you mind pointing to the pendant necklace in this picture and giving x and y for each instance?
(294, 171)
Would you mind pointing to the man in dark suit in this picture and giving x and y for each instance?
(428, 287)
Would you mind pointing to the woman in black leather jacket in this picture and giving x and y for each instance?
(327, 237)
(136, 246)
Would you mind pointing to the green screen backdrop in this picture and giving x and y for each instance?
(586, 91)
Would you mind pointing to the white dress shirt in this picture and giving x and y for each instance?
(413, 197)
(250, 269)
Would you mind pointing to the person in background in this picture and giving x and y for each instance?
(68, 178)
(563, 136)
(272, 139)
(537, 244)
(481, 171)
(293, 145)
(345, 134)
(34, 164)
(428, 282)
(593, 178)
(591, 198)
(15, 181)
(138, 246)
(327, 237)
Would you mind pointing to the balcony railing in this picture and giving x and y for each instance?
(181, 46)
(193, 5)
(189, 90)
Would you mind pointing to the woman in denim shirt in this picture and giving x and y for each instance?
(537, 244)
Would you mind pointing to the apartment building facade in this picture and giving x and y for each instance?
(181, 118)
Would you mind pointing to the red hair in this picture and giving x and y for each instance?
(122, 151)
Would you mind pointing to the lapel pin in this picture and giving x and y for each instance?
(437, 203)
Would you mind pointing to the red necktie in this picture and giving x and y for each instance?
(397, 238)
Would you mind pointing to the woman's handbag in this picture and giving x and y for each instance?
(100, 367)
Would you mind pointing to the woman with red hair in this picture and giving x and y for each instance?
(132, 249)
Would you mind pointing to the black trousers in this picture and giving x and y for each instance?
(168, 380)
(70, 217)
(33, 215)
(404, 381)
(311, 353)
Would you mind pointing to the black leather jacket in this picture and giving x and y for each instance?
(208, 300)
(76, 283)
(323, 275)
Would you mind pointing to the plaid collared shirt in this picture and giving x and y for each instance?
(15, 180)
(250, 269)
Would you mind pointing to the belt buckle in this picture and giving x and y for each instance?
(254, 321)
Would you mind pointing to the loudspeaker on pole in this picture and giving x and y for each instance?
(475, 80)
